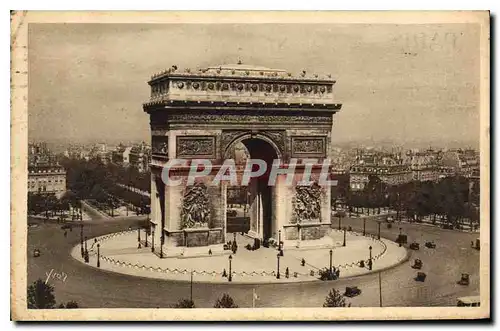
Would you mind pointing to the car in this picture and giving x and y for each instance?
(430, 244)
(415, 246)
(352, 291)
(389, 219)
(464, 280)
(417, 264)
(421, 277)
(36, 252)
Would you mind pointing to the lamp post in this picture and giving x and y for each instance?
(400, 239)
(146, 241)
(379, 230)
(162, 240)
(234, 236)
(153, 240)
(138, 237)
(98, 255)
(343, 244)
(331, 253)
(278, 273)
(86, 253)
(370, 261)
(364, 226)
(230, 278)
(81, 240)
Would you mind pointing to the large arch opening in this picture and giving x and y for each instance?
(251, 209)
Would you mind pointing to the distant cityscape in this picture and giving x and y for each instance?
(393, 167)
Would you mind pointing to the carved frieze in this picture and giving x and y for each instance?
(229, 118)
(308, 146)
(307, 204)
(196, 147)
(159, 145)
(195, 207)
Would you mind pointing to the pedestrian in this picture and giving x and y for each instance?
(65, 234)
(287, 272)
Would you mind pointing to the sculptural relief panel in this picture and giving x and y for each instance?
(307, 204)
(196, 147)
(308, 146)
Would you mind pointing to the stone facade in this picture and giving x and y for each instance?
(203, 114)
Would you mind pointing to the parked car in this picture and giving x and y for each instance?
(417, 264)
(36, 252)
(390, 219)
(352, 291)
(464, 280)
(421, 277)
(415, 246)
(430, 244)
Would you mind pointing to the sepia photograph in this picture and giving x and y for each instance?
(280, 164)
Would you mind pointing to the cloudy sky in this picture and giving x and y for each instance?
(399, 83)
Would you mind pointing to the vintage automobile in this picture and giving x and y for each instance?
(417, 264)
(36, 252)
(430, 244)
(464, 280)
(420, 277)
(389, 219)
(415, 246)
(352, 291)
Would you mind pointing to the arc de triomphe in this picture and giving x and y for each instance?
(203, 114)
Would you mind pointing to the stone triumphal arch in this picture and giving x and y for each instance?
(203, 114)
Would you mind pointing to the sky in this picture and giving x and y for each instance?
(397, 83)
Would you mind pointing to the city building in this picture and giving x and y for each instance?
(388, 167)
(464, 161)
(47, 179)
(139, 156)
(425, 165)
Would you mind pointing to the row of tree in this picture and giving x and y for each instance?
(452, 198)
(97, 181)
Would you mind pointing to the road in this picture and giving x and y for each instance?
(93, 288)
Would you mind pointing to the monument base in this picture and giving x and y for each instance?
(194, 237)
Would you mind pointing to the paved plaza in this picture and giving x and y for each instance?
(119, 253)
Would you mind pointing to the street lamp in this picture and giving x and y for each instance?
(370, 262)
(162, 240)
(344, 236)
(331, 252)
(230, 278)
(153, 240)
(86, 253)
(81, 240)
(379, 230)
(138, 237)
(278, 273)
(98, 255)
(364, 226)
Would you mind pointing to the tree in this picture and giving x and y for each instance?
(225, 302)
(41, 295)
(335, 299)
(71, 305)
(184, 303)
